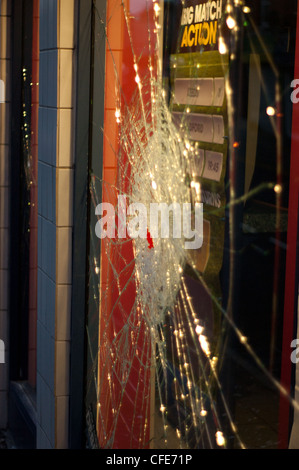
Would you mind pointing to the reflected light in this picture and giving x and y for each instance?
(220, 439)
(278, 188)
(270, 111)
(222, 47)
(231, 22)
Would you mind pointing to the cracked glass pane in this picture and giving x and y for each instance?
(189, 339)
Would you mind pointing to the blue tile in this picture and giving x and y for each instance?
(39, 291)
(46, 155)
(47, 411)
(39, 241)
(44, 300)
(53, 24)
(48, 24)
(46, 356)
(41, 131)
(38, 397)
(40, 188)
(44, 189)
(44, 246)
(42, 442)
(48, 135)
(40, 348)
(53, 219)
(48, 195)
(52, 78)
(48, 78)
(43, 24)
(43, 77)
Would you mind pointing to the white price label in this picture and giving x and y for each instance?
(218, 124)
(213, 165)
(194, 91)
(199, 127)
(219, 90)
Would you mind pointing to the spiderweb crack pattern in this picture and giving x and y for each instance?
(158, 358)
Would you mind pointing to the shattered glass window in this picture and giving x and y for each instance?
(197, 112)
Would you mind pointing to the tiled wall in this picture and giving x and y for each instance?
(5, 22)
(55, 177)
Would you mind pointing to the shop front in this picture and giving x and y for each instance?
(192, 348)
(153, 194)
